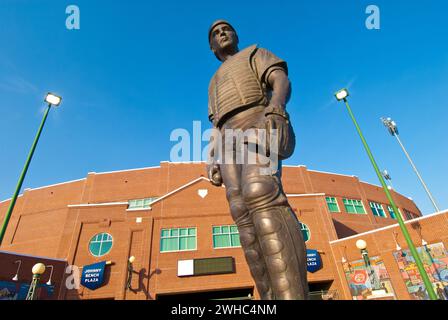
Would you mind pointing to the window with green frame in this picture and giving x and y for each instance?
(392, 213)
(226, 237)
(305, 231)
(332, 204)
(377, 209)
(354, 206)
(177, 239)
(141, 203)
(100, 244)
(409, 215)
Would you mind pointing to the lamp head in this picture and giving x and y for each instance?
(131, 259)
(390, 125)
(361, 244)
(53, 99)
(38, 269)
(16, 278)
(341, 94)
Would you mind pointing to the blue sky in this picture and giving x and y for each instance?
(136, 70)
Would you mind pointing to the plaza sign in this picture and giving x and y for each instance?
(93, 275)
(313, 261)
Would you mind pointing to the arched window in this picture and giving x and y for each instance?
(305, 231)
(100, 244)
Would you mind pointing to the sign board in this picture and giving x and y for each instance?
(313, 261)
(208, 266)
(93, 275)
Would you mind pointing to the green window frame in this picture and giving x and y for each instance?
(178, 239)
(306, 232)
(354, 206)
(141, 203)
(332, 204)
(409, 215)
(377, 209)
(226, 236)
(100, 244)
(392, 213)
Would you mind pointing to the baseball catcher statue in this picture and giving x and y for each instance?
(248, 92)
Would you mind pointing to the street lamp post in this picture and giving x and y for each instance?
(393, 130)
(342, 96)
(52, 100)
(37, 270)
(362, 245)
(130, 271)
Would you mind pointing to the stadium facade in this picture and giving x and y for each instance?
(179, 229)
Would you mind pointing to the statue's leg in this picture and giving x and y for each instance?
(278, 233)
(231, 174)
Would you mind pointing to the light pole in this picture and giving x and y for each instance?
(52, 100)
(130, 271)
(393, 130)
(37, 270)
(362, 245)
(342, 96)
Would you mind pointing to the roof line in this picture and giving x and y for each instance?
(126, 170)
(389, 227)
(56, 184)
(292, 166)
(337, 174)
(44, 187)
(20, 195)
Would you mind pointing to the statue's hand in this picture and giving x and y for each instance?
(214, 174)
(277, 122)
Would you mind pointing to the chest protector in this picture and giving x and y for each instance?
(234, 85)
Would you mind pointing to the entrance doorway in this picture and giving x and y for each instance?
(321, 291)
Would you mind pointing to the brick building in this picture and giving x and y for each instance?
(179, 229)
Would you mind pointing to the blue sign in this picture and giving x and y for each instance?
(93, 275)
(313, 261)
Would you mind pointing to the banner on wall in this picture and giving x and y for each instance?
(435, 261)
(313, 260)
(93, 275)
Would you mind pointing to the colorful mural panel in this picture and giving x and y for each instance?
(360, 283)
(435, 261)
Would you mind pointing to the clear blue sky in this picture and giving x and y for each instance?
(136, 70)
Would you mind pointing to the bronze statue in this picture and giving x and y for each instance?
(250, 91)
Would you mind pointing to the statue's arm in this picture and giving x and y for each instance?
(281, 88)
(213, 169)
